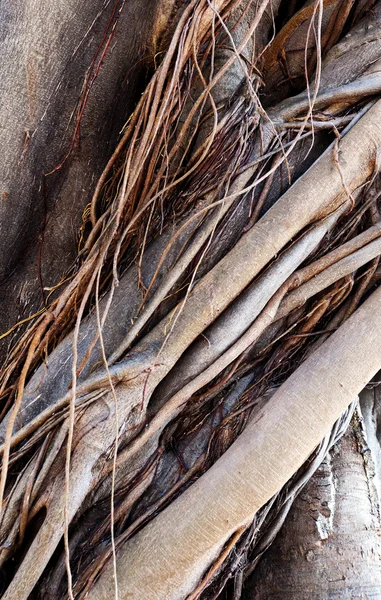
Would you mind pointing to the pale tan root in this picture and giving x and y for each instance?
(235, 320)
(169, 556)
(322, 185)
(333, 273)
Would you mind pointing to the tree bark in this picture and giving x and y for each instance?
(329, 546)
(193, 531)
(70, 80)
(190, 220)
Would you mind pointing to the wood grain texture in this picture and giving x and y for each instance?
(169, 556)
(47, 54)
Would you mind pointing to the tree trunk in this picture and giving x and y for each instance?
(189, 265)
(70, 78)
(329, 546)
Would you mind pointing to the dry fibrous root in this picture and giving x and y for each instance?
(196, 307)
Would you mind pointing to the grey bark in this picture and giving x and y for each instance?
(47, 52)
(329, 547)
(49, 209)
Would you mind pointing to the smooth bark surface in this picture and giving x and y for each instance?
(256, 466)
(64, 100)
(322, 185)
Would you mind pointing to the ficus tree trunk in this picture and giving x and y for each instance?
(190, 243)
(335, 516)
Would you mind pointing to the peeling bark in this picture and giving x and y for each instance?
(330, 546)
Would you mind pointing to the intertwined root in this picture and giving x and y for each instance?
(211, 313)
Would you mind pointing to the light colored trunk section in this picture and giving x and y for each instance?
(330, 546)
